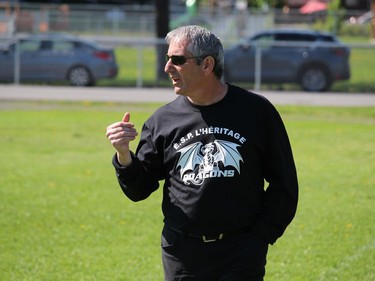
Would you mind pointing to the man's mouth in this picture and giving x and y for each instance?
(175, 79)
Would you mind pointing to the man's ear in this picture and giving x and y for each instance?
(208, 64)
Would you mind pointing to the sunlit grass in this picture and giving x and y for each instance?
(63, 216)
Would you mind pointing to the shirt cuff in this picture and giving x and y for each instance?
(117, 164)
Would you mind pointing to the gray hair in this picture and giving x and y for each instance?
(200, 42)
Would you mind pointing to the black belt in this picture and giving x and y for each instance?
(210, 237)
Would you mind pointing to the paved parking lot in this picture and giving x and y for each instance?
(65, 93)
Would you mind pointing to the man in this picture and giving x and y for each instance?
(214, 146)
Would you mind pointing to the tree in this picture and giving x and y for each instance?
(162, 28)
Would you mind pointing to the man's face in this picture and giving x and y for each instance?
(186, 78)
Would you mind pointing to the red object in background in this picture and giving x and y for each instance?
(313, 6)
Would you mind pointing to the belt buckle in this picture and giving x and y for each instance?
(210, 239)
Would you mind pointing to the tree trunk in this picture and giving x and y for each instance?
(162, 28)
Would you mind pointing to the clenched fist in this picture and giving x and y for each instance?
(121, 134)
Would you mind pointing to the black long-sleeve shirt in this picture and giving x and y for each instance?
(216, 161)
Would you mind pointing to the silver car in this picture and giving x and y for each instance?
(56, 57)
(312, 59)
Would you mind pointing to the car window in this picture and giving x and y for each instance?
(84, 46)
(264, 38)
(295, 37)
(62, 46)
(29, 46)
(46, 45)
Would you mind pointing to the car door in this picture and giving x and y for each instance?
(44, 60)
(273, 59)
(242, 59)
(59, 57)
(278, 60)
(7, 63)
(53, 59)
(282, 61)
(31, 64)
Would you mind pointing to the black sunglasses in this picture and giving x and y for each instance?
(179, 60)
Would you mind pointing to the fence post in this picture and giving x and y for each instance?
(17, 66)
(258, 67)
(140, 66)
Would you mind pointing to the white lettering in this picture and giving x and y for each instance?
(209, 130)
(191, 177)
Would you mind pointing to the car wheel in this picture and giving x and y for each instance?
(315, 79)
(80, 76)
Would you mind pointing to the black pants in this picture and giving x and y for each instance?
(241, 257)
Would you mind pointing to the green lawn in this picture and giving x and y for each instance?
(362, 63)
(63, 216)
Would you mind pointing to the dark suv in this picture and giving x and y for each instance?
(312, 59)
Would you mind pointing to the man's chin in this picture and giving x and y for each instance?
(177, 90)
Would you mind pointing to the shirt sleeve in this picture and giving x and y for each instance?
(142, 177)
(281, 195)
(133, 180)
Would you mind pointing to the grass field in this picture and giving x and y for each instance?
(63, 216)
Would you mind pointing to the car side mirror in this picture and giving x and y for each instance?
(245, 47)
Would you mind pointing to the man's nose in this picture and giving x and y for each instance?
(167, 65)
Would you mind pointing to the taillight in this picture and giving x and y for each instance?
(340, 52)
(103, 55)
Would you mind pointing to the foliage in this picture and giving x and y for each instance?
(333, 19)
(355, 30)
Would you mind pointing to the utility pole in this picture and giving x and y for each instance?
(373, 21)
(162, 28)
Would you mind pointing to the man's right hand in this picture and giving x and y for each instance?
(120, 134)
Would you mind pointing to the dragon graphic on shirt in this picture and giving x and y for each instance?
(206, 159)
